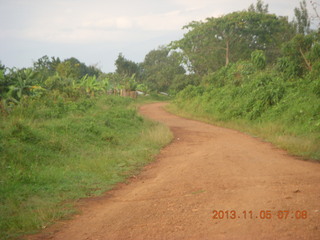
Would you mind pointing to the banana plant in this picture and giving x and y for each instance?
(90, 85)
(130, 83)
(37, 90)
(104, 84)
(143, 88)
(7, 102)
(23, 83)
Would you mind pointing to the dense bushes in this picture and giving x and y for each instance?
(240, 92)
(259, 76)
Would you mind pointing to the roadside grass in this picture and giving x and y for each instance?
(51, 156)
(306, 146)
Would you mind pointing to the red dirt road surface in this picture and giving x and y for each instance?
(209, 183)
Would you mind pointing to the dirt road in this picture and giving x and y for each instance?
(206, 168)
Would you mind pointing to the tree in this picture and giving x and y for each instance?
(181, 81)
(259, 8)
(74, 69)
(126, 67)
(302, 20)
(218, 41)
(45, 66)
(160, 68)
(302, 52)
(93, 70)
(67, 69)
(317, 15)
(200, 51)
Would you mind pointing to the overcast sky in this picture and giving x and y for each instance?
(96, 31)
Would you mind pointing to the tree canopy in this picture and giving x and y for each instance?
(302, 20)
(126, 67)
(209, 45)
(160, 67)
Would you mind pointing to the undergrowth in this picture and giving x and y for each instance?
(54, 151)
(263, 103)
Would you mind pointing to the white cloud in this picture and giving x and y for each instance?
(96, 21)
(194, 4)
(169, 21)
(77, 35)
(61, 26)
(96, 28)
(121, 22)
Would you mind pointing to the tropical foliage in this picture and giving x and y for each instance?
(260, 69)
(62, 137)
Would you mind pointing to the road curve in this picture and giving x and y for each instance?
(207, 172)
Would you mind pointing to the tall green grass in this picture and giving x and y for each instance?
(54, 151)
(283, 111)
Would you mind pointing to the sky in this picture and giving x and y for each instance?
(96, 31)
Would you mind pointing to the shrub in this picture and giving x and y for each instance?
(258, 58)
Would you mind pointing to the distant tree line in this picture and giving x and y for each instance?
(209, 45)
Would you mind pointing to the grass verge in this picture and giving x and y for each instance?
(305, 146)
(50, 156)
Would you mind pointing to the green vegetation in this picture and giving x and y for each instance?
(63, 138)
(209, 45)
(160, 71)
(266, 88)
(54, 151)
(261, 103)
(259, 73)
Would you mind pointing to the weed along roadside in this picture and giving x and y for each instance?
(47, 163)
(264, 105)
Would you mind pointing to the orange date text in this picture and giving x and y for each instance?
(260, 214)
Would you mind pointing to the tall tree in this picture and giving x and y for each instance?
(201, 52)
(160, 67)
(45, 66)
(302, 52)
(259, 8)
(316, 12)
(302, 20)
(218, 41)
(126, 67)
(73, 68)
(66, 69)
